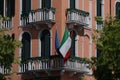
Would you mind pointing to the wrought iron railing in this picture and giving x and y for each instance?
(77, 16)
(38, 16)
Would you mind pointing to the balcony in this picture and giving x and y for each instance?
(77, 17)
(5, 23)
(4, 70)
(38, 16)
(53, 63)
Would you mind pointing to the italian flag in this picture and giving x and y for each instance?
(65, 45)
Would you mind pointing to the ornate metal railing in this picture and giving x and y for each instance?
(78, 17)
(5, 23)
(38, 16)
(52, 63)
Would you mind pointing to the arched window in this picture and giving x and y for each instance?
(45, 43)
(26, 46)
(72, 49)
(118, 10)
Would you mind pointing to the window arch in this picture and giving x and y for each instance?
(117, 10)
(45, 43)
(72, 49)
(26, 46)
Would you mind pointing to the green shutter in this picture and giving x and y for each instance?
(26, 46)
(1, 7)
(45, 43)
(72, 4)
(99, 9)
(26, 6)
(72, 49)
(46, 4)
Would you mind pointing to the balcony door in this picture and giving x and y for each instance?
(45, 43)
(26, 42)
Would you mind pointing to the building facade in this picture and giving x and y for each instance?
(34, 23)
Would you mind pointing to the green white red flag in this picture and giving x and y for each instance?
(65, 45)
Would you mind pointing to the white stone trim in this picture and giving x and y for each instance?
(77, 4)
(90, 44)
(40, 3)
(102, 5)
(82, 47)
(90, 12)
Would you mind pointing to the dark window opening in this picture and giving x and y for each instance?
(26, 6)
(9, 8)
(45, 43)
(99, 8)
(72, 49)
(46, 4)
(118, 10)
(72, 4)
(26, 46)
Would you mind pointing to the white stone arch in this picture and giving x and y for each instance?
(39, 41)
(90, 43)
